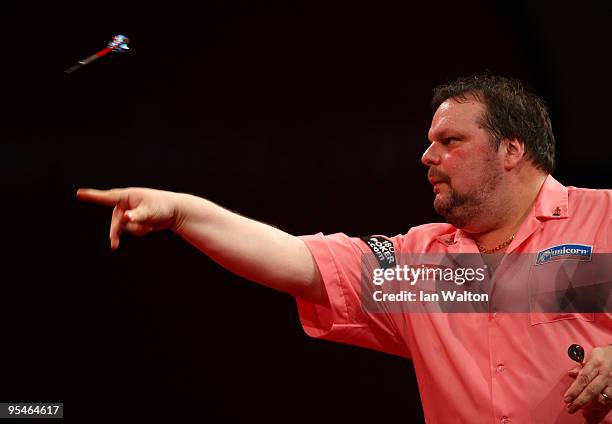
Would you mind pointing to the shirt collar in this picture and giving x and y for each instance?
(552, 200)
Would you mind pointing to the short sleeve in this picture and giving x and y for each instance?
(340, 261)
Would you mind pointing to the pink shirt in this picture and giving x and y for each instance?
(475, 367)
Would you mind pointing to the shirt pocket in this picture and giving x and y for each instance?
(569, 289)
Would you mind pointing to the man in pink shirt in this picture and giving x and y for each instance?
(489, 161)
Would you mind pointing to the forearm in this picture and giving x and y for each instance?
(251, 249)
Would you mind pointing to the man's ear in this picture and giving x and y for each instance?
(512, 151)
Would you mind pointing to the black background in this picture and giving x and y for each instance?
(311, 116)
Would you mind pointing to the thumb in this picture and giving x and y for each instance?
(574, 372)
(139, 214)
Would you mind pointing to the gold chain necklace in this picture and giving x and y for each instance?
(495, 249)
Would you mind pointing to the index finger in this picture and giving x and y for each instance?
(103, 197)
(583, 379)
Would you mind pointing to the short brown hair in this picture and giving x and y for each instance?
(512, 111)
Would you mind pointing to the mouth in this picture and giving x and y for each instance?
(436, 179)
(437, 185)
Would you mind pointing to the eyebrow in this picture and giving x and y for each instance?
(447, 133)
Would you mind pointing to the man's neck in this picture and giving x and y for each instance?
(510, 214)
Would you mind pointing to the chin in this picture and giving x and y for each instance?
(450, 213)
(441, 204)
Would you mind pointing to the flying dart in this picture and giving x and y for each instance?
(119, 44)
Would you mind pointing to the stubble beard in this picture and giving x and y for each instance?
(461, 209)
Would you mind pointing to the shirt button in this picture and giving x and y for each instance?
(505, 420)
(500, 368)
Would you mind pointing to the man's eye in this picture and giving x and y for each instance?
(448, 140)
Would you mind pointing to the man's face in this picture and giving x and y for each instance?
(463, 167)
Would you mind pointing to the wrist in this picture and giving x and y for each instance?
(190, 211)
(179, 215)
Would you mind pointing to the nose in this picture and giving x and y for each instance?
(431, 156)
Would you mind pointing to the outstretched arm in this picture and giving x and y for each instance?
(251, 249)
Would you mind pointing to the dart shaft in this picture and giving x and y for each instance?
(73, 68)
(95, 56)
(89, 59)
